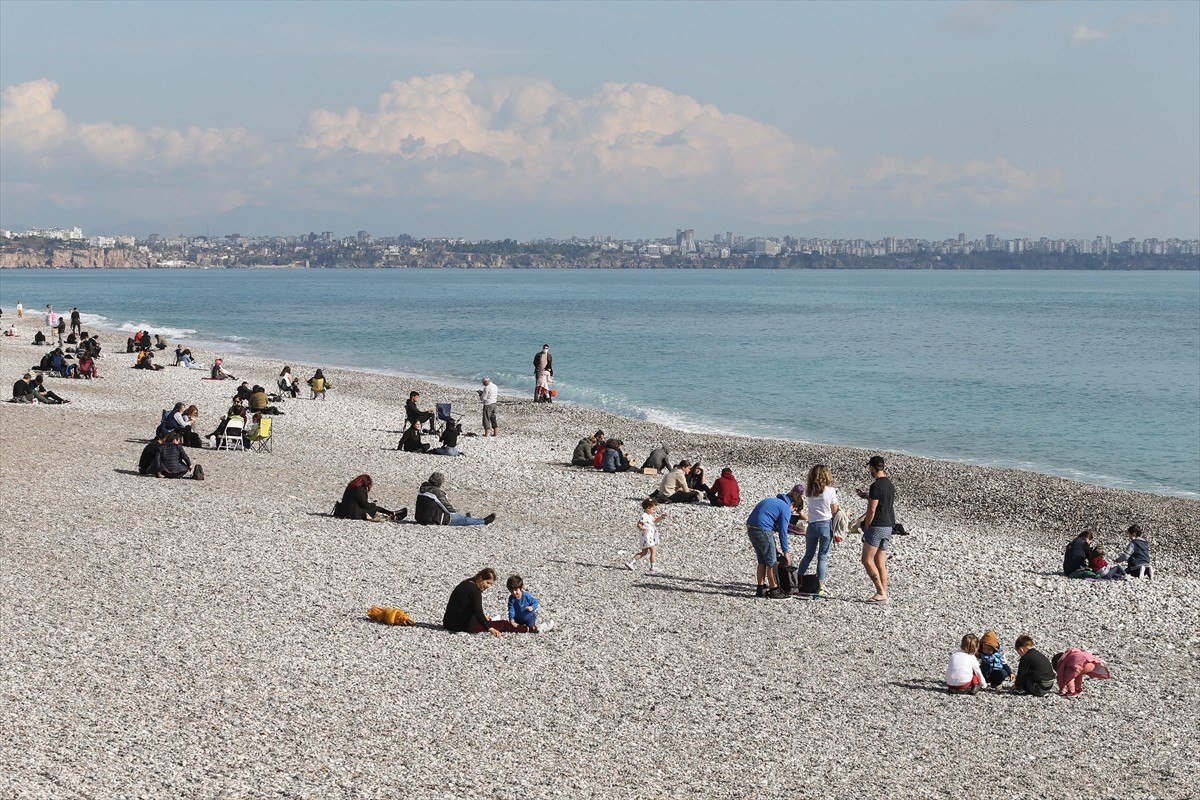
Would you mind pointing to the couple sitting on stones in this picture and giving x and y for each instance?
(685, 484)
(433, 507)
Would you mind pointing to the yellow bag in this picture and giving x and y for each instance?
(389, 616)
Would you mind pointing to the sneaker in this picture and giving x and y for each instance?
(822, 593)
(546, 626)
(401, 514)
(489, 519)
(654, 570)
(776, 593)
(629, 566)
(759, 592)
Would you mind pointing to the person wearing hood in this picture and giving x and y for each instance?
(433, 486)
(991, 660)
(725, 491)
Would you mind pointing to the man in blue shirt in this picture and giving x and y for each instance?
(771, 517)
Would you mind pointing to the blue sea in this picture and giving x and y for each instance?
(1088, 375)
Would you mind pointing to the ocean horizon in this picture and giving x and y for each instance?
(1088, 376)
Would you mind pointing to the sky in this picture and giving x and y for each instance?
(526, 120)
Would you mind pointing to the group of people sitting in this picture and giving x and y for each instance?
(683, 483)
(433, 507)
(142, 341)
(29, 389)
(979, 664)
(1086, 559)
(164, 457)
(415, 418)
(464, 610)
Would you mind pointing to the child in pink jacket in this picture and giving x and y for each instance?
(1072, 665)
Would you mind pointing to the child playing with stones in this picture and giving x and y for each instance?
(523, 607)
(647, 526)
(1136, 557)
(1035, 673)
(991, 660)
(1099, 565)
(962, 671)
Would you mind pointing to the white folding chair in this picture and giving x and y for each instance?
(231, 437)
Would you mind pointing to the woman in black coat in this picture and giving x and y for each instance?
(356, 504)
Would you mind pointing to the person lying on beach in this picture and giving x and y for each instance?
(963, 675)
(411, 442)
(585, 451)
(1075, 560)
(1035, 673)
(356, 503)
(434, 508)
(464, 610)
(149, 456)
(614, 458)
(674, 486)
(658, 460)
(412, 413)
(1136, 557)
(991, 660)
(1072, 665)
(172, 460)
(218, 372)
(725, 491)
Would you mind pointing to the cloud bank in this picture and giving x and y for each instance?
(434, 145)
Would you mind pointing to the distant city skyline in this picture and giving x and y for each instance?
(487, 121)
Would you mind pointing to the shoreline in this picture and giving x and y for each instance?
(241, 346)
(217, 639)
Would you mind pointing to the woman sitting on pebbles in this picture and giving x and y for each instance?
(464, 611)
(355, 503)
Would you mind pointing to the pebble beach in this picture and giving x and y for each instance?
(167, 639)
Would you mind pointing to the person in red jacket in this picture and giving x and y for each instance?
(724, 491)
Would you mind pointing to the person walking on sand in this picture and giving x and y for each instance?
(543, 371)
(877, 525)
(489, 394)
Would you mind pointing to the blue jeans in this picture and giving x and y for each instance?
(818, 535)
(763, 543)
(463, 519)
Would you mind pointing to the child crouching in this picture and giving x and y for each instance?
(1035, 673)
(962, 672)
(523, 607)
(991, 660)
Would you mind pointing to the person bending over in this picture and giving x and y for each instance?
(434, 508)
(464, 611)
(770, 517)
(658, 460)
(356, 503)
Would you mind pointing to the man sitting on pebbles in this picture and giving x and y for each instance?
(434, 508)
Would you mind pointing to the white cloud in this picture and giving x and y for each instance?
(1083, 34)
(437, 143)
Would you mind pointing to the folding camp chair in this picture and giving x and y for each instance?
(231, 437)
(260, 440)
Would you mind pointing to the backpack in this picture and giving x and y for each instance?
(198, 472)
(785, 574)
(809, 584)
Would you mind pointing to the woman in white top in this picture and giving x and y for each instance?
(822, 505)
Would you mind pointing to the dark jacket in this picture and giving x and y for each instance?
(23, 388)
(582, 457)
(171, 460)
(356, 505)
(612, 461)
(465, 606)
(1078, 552)
(437, 492)
(1035, 674)
(149, 458)
(411, 442)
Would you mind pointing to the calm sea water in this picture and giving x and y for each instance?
(1093, 376)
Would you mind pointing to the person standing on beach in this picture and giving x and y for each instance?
(877, 525)
(61, 327)
(543, 371)
(20, 310)
(489, 394)
(76, 324)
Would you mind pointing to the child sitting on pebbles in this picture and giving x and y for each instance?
(523, 607)
(1102, 568)
(991, 660)
(1136, 557)
(963, 675)
(647, 526)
